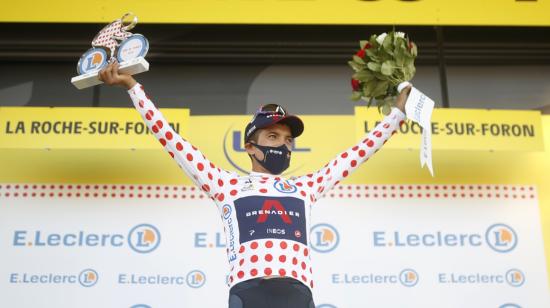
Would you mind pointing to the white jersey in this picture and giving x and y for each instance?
(266, 218)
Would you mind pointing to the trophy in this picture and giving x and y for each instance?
(114, 41)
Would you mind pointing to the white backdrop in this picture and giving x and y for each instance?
(373, 246)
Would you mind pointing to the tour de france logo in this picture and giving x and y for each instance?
(501, 238)
(408, 277)
(324, 238)
(144, 238)
(515, 278)
(196, 279)
(88, 278)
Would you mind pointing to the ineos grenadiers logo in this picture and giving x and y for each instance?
(196, 279)
(144, 238)
(501, 238)
(408, 277)
(324, 238)
(88, 278)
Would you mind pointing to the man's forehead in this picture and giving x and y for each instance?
(279, 128)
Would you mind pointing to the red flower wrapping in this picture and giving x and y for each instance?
(355, 84)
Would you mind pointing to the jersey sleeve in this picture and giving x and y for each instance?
(200, 170)
(346, 162)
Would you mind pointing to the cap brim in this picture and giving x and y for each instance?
(296, 125)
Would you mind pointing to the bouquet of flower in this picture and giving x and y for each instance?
(382, 63)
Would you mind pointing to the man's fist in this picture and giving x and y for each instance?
(110, 76)
(402, 98)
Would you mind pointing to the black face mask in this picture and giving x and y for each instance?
(276, 159)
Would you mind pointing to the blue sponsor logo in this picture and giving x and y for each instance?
(144, 238)
(324, 238)
(285, 187)
(501, 238)
(88, 278)
(196, 279)
(408, 277)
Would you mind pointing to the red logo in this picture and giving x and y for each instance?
(279, 209)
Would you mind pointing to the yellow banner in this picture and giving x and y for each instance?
(465, 129)
(80, 128)
(389, 12)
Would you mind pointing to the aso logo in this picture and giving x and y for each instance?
(324, 238)
(285, 187)
(88, 278)
(144, 238)
(196, 279)
(501, 238)
(408, 277)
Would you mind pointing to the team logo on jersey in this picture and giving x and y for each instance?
(262, 217)
(285, 187)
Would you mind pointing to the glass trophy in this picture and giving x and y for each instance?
(114, 41)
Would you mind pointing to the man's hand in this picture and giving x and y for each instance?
(402, 98)
(110, 76)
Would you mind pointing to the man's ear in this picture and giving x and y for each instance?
(249, 148)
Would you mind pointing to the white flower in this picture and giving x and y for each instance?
(380, 38)
(400, 34)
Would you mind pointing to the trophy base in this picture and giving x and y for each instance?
(132, 67)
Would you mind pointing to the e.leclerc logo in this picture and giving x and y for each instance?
(196, 279)
(498, 237)
(142, 238)
(324, 238)
(86, 278)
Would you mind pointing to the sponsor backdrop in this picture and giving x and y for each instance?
(84, 226)
(344, 12)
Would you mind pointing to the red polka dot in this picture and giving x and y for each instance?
(189, 157)
(220, 182)
(310, 184)
(171, 154)
(200, 166)
(268, 257)
(155, 129)
(254, 259)
(206, 188)
(254, 272)
(162, 141)
(303, 265)
(319, 179)
(377, 134)
(294, 274)
(306, 252)
(282, 272)
(299, 184)
(296, 247)
(149, 115)
(159, 124)
(303, 193)
(169, 135)
(263, 190)
(353, 163)
(220, 197)
(284, 245)
(282, 258)
(241, 250)
(267, 271)
(294, 261)
(269, 244)
(210, 177)
(140, 103)
(311, 284)
(179, 146)
(304, 278)
(345, 173)
(240, 274)
(370, 143)
(241, 262)
(344, 155)
(362, 153)
(254, 245)
(355, 148)
(233, 192)
(233, 181)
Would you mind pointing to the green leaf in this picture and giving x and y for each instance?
(362, 44)
(355, 96)
(386, 109)
(380, 89)
(368, 88)
(364, 75)
(373, 66)
(387, 68)
(355, 66)
(358, 59)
